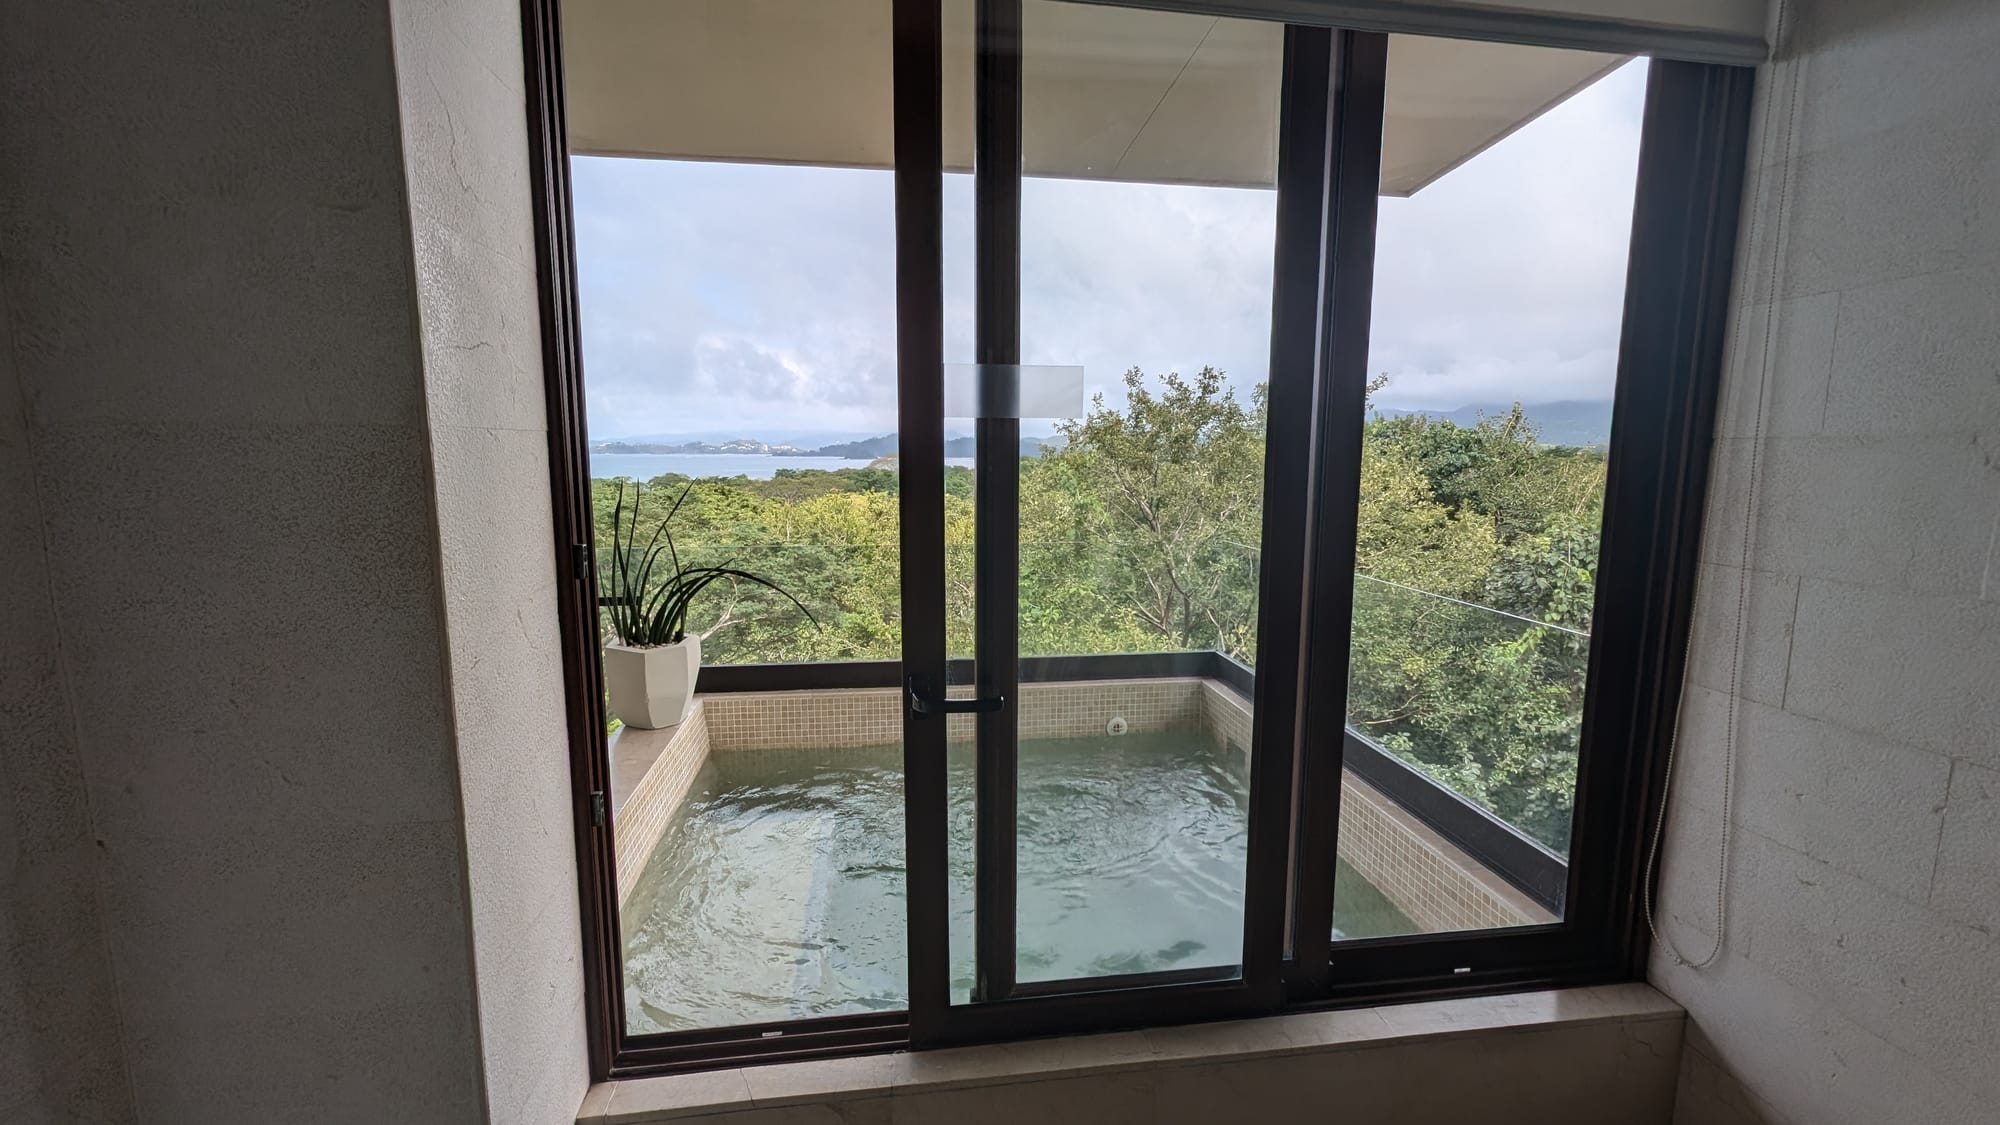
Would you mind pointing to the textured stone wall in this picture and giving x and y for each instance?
(207, 273)
(1859, 975)
(60, 1058)
(277, 683)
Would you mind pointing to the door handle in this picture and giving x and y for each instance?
(924, 702)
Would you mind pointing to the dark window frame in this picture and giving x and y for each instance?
(1671, 346)
(1680, 264)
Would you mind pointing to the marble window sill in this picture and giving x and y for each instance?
(909, 1074)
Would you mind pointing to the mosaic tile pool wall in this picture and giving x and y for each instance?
(1425, 876)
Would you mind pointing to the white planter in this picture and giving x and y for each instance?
(652, 687)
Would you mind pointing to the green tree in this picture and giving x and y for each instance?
(1485, 692)
(1166, 497)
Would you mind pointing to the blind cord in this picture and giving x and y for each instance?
(1783, 185)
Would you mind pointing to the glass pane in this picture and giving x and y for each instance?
(960, 444)
(1499, 285)
(1148, 228)
(961, 448)
(735, 221)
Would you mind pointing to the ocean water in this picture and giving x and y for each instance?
(756, 466)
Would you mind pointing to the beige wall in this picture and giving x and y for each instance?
(59, 1035)
(1860, 978)
(463, 98)
(272, 849)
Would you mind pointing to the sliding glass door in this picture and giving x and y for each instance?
(1099, 799)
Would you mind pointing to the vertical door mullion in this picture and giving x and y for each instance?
(1297, 289)
(919, 178)
(996, 172)
(1353, 187)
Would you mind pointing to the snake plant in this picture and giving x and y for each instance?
(646, 608)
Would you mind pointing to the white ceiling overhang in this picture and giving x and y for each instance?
(1108, 92)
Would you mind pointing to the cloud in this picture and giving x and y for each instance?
(1505, 279)
(759, 301)
(1161, 278)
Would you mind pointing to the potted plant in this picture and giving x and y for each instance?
(650, 659)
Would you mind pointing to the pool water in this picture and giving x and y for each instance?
(778, 892)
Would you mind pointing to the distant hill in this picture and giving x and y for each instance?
(863, 449)
(1556, 423)
(797, 439)
(867, 449)
(734, 445)
(956, 445)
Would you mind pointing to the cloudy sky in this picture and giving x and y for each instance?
(754, 301)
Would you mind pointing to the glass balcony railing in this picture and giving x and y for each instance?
(1487, 703)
